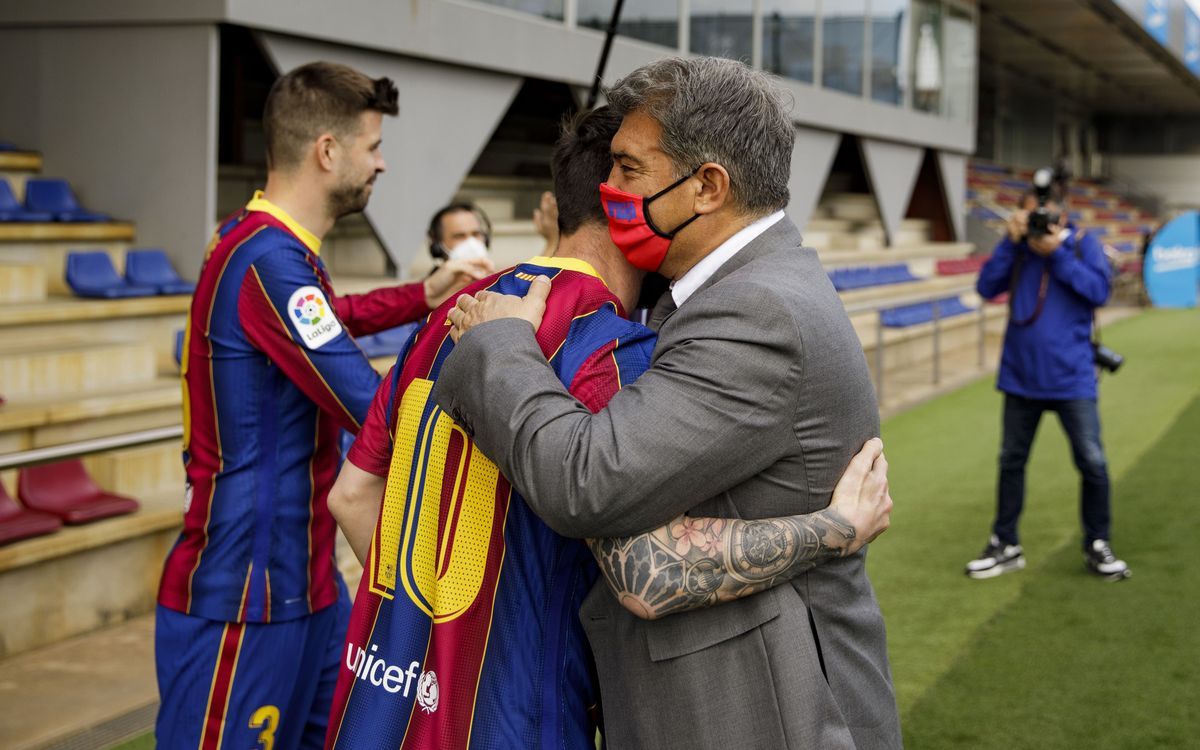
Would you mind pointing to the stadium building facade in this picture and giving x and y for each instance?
(170, 90)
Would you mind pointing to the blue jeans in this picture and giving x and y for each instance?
(1081, 420)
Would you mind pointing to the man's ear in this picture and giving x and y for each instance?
(714, 189)
(326, 149)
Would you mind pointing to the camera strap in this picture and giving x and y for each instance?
(1043, 288)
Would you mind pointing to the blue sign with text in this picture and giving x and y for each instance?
(1191, 41)
(1155, 21)
(1172, 267)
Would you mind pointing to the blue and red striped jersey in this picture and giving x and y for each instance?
(271, 374)
(465, 631)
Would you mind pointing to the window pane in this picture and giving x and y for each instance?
(960, 65)
(842, 45)
(888, 27)
(552, 9)
(927, 71)
(654, 21)
(722, 27)
(788, 33)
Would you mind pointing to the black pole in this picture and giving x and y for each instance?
(608, 40)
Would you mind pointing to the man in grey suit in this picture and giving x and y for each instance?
(757, 396)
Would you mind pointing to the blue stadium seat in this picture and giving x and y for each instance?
(151, 267)
(56, 197)
(922, 312)
(387, 343)
(12, 210)
(91, 274)
(846, 279)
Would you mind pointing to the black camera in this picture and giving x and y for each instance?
(1106, 358)
(1041, 218)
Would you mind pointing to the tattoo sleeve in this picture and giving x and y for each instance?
(698, 562)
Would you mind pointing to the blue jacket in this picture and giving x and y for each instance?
(1050, 358)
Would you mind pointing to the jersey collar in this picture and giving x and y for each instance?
(566, 264)
(259, 203)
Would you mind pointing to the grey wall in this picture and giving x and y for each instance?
(1175, 179)
(488, 38)
(811, 158)
(128, 115)
(892, 169)
(446, 116)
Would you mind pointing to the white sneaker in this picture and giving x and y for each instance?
(996, 559)
(1101, 561)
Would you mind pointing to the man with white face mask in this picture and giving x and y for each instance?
(459, 231)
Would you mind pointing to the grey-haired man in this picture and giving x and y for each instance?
(757, 396)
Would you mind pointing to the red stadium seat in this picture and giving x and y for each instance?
(956, 266)
(18, 523)
(66, 490)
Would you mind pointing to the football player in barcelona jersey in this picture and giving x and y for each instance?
(252, 610)
(465, 631)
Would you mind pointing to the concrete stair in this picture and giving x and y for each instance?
(46, 246)
(27, 423)
(37, 371)
(21, 283)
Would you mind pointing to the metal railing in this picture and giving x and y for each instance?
(879, 306)
(80, 448)
(66, 451)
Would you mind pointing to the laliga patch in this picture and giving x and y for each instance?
(312, 317)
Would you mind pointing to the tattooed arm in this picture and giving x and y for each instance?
(697, 562)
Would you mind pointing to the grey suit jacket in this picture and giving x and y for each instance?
(757, 397)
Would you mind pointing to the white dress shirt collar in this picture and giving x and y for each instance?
(685, 286)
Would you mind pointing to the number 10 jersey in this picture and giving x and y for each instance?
(465, 631)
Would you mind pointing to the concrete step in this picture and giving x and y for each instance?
(21, 284)
(91, 691)
(147, 469)
(23, 162)
(31, 414)
(352, 248)
(921, 259)
(26, 245)
(81, 578)
(36, 371)
(859, 207)
(68, 321)
(932, 287)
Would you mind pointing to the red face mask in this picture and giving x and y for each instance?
(629, 224)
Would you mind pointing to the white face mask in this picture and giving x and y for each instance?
(469, 248)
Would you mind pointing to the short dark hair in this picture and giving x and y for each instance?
(582, 160)
(316, 98)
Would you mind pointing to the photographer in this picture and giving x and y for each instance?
(1056, 277)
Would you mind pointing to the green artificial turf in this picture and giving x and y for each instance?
(1050, 657)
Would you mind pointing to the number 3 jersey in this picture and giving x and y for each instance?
(465, 631)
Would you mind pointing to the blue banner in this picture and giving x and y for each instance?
(1172, 267)
(1191, 41)
(1155, 21)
